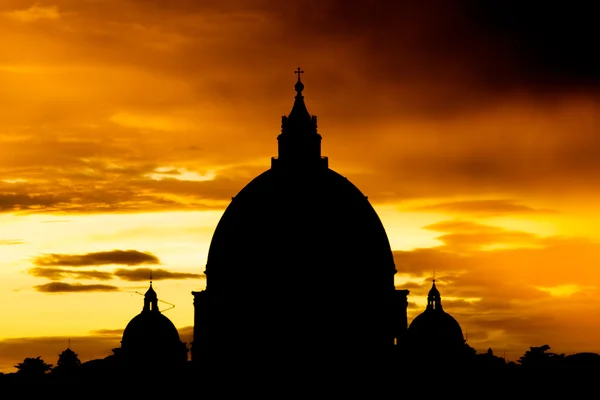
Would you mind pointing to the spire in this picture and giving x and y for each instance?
(299, 142)
(299, 111)
(150, 299)
(434, 300)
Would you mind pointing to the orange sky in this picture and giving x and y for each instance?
(127, 126)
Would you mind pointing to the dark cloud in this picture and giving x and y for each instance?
(100, 187)
(143, 274)
(483, 208)
(109, 332)
(18, 202)
(426, 62)
(60, 273)
(517, 165)
(113, 257)
(63, 287)
(493, 45)
(551, 40)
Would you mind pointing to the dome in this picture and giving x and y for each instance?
(299, 258)
(150, 328)
(298, 220)
(150, 338)
(435, 330)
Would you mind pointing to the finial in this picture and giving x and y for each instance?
(150, 277)
(299, 87)
(69, 343)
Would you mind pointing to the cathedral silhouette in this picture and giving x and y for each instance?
(299, 279)
(299, 269)
(300, 265)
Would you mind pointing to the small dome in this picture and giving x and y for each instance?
(150, 329)
(435, 328)
(150, 338)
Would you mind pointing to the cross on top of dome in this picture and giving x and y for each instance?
(299, 85)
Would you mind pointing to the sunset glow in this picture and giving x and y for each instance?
(127, 126)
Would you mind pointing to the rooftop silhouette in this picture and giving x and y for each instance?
(300, 278)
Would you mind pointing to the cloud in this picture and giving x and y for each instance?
(16, 202)
(9, 242)
(509, 298)
(454, 107)
(466, 235)
(483, 208)
(34, 13)
(63, 287)
(152, 122)
(113, 257)
(491, 47)
(108, 186)
(143, 274)
(60, 273)
(109, 332)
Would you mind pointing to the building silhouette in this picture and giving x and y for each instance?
(434, 334)
(150, 340)
(299, 263)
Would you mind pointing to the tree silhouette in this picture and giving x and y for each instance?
(540, 357)
(68, 359)
(33, 367)
(490, 360)
(68, 363)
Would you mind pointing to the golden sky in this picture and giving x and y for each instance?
(126, 126)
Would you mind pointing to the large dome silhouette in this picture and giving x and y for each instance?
(300, 220)
(299, 259)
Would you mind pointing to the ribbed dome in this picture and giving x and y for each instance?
(290, 220)
(300, 258)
